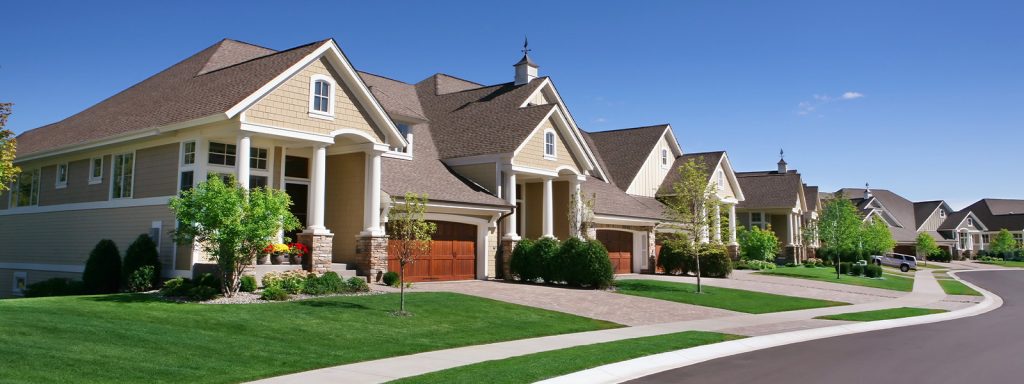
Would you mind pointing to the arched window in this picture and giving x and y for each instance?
(721, 179)
(321, 93)
(549, 144)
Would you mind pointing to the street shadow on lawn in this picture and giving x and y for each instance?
(331, 304)
(129, 298)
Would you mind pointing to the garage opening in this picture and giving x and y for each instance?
(620, 249)
(452, 255)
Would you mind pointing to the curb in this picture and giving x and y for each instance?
(648, 365)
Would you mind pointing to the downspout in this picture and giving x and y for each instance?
(499, 256)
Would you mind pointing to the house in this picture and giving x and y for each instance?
(906, 219)
(728, 193)
(972, 228)
(778, 200)
(498, 163)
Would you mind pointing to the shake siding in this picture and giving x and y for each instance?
(343, 212)
(288, 106)
(726, 189)
(651, 174)
(67, 237)
(482, 174)
(156, 171)
(532, 155)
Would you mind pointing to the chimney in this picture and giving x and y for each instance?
(783, 168)
(526, 69)
(867, 191)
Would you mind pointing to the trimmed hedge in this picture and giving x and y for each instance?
(247, 283)
(674, 257)
(857, 270)
(942, 256)
(873, 271)
(57, 286)
(103, 269)
(391, 279)
(714, 261)
(522, 265)
(142, 252)
(574, 262)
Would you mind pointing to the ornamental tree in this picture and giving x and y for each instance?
(411, 235)
(1003, 244)
(839, 228)
(691, 204)
(231, 224)
(8, 145)
(876, 238)
(758, 244)
(925, 245)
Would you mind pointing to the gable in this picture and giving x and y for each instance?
(531, 153)
(652, 173)
(725, 188)
(547, 94)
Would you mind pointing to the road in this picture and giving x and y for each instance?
(983, 349)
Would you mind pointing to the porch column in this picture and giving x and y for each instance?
(789, 228)
(548, 227)
(718, 223)
(732, 224)
(371, 213)
(318, 187)
(705, 235)
(575, 189)
(242, 160)
(511, 225)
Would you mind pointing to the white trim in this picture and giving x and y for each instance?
(575, 130)
(287, 133)
(329, 114)
(104, 204)
(158, 225)
(532, 171)
(131, 192)
(500, 158)
(624, 220)
(69, 268)
(554, 144)
(564, 127)
(94, 179)
(58, 184)
(663, 159)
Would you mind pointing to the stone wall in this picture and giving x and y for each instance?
(320, 246)
(372, 253)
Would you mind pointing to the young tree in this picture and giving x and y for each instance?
(839, 228)
(692, 204)
(926, 246)
(581, 215)
(758, 244)
(8, 145)
(233, 225)
(411, 234)
(876, 237)
(1003, 244)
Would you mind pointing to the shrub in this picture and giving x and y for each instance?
(673, 256)
(522, 264)
(54, 287)
(873, 271)
(714, 261)
(208, 280)
(247, 283)
(809, 265)
(274, 293)
(758, 244)
(142, 279)
(327, 283)
(292, 282)
(176, 287)
(103, 269)
(941, 255)
(202, 293)
(813, 262)
(356, 284)
(545, 253)
(391, 279)
(857, 270)
(844, 267)
(588, 264)
(142, 252)
(755, 265)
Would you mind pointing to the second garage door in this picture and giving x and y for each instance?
(452, 255)
(620, 249)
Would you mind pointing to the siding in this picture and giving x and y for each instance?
(933, 222)
(560, 206)
(726, 189)
(7, 278)
(532, 155)
(483, 174)
(67, 237)
(288, 106)
(78, 190)
(651, 174)
(156, 171)
(343, 212)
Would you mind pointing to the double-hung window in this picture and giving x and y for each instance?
(664, 158)
(62, 175)
(258, 158)
(321, 94)
(186, 179)
(26, 189)
(759, 219)
(96, 170)
(222, 154)
(549, 144)
(121, 177)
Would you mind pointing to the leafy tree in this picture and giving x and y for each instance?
(233, 225)
(876, 238)
(8, 145)
(839, 228)
(411, 234)
(926, 245)
(758, 244)
(692, 204)
(1003, 244)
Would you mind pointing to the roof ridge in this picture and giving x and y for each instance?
(275, 53)
(663, 125)
(248, 43)
(383, 77)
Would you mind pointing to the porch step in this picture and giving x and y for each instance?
(343, 270)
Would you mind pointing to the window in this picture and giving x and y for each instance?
(664, 158)
(321, 90)
(963, 240)
(297, 167)
(20, 282)
(188, 153)
(549, 144)
(1019, 237)
(26, 189)
(96, 173)
(62, 175)
(942, 213)
(970, 222)
(721, 180)
(758, 219)
(985, 238)
(406, 131)
(121, 181)
(258, 158)
(187, 180)
(257, 182)
(222, 154)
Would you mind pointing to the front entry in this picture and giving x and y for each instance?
(299, 194)
(620, 249)
(452, 255)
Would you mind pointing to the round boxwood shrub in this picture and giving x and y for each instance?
(872, 271)
(356, 284)
(857, 270)
(140, 253)
(522, 264)
(274, 293)
(103, 269)
(844, 267)
(545, 253)
(247, 283)
(674, 257)
(390, 279)
(586, 263)
(714, 261)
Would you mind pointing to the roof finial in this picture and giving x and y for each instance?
(526, 45)
(782, 154)
(867, 186)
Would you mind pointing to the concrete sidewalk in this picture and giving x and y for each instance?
(926, 291)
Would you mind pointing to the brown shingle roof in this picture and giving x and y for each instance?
(769, 189)
(625, 150)
(707, 160)
(396, 97)
(610, 200)
(899, 207)
(995, 214)
(811, 194)
(205, 84)
(923, 210)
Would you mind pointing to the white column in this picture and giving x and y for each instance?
(732, 224)
(704, 234)
(511, 224)
(789, 227)
(718, 223)
(548, 227)
(575, 190)
(318, 187)
(371, 215)
(242, 160)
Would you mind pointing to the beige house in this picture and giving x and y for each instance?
(778, 200)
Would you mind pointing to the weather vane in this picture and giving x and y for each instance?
(526, 44)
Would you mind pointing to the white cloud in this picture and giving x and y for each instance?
(852, 95)
(805, 108)
(600, 120)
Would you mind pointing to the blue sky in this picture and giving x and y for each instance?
(924, 98)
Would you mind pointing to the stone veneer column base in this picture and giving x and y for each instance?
(320, 251)
(372, 253)
(507, 246)
(733, 251)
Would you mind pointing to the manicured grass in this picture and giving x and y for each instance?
(954, 287)
(544, 365)
(724, 298)
(888, 281)
(138, 338)
(1012, 264)
(929, 265)
(882, 314)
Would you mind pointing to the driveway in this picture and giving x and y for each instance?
(603, 305)
(789, 286)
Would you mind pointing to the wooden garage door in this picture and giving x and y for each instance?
(452, 255)
(620, 249)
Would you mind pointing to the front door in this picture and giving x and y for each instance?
(299, 193)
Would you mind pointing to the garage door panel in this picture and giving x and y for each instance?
(452, 255)
(620, 249)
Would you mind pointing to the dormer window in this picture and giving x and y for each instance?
(970, 222)
(321, 93)
(549, 144)
(942, 213)
(721, 179)
(664, 158)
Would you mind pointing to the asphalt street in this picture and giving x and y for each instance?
(987, 348)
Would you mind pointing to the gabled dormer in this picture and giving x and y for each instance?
(639, 159)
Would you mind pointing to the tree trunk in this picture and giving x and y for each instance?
(697, 257)
(401, 283)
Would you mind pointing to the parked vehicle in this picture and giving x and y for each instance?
(896, 260)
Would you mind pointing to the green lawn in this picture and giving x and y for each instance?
(954, 287)
(1013, 264)
(137, 338)
(724, 298)
(882, 314)
(544, 365)
(888, 281)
